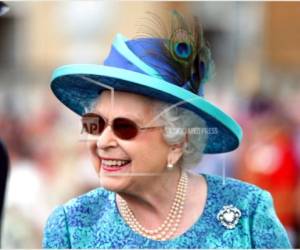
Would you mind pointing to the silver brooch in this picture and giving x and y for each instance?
(229, 216)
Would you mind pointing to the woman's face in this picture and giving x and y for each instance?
(147, 153)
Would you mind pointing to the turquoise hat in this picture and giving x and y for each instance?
(142, 66)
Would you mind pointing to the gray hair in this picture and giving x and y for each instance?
(178, 122)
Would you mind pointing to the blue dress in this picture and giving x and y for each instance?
(93, 221)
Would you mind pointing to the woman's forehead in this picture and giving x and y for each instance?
(124, 103)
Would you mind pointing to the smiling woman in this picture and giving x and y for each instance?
(146, 122)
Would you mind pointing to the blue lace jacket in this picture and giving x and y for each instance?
(93, 221)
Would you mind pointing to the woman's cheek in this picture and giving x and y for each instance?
(92, 148)
(96, 164)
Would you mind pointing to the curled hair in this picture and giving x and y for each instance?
(178, 123)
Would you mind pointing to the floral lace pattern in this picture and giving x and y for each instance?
(93, 221)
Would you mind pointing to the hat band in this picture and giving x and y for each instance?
(121, 49)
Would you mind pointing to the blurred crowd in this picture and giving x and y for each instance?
(48, 165)
(269, 158)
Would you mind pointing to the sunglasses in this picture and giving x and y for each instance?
(123, 128)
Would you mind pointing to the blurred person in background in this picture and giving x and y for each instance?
(140, 112)
(268, 158)
(25, 183)
(3, 178)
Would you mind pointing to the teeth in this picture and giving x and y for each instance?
(113, 162)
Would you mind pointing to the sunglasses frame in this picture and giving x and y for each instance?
(107, 123)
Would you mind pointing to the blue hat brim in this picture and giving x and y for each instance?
(71, 86)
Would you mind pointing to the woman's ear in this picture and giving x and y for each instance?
(176, 151)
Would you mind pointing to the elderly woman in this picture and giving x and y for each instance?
(146, 123)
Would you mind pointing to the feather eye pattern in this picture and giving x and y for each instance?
(185, 51)
(182, 41)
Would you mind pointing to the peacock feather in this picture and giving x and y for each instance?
(185, 50)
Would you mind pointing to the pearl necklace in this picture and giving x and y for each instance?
(167, 229)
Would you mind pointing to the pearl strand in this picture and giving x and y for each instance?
(167, 229)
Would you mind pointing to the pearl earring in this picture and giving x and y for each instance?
(170, 166)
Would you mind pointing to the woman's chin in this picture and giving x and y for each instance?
(115, 180)
(114, 185)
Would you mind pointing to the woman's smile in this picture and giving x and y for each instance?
(114, 165)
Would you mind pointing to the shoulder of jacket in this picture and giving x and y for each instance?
(94, 199)
(233, 191)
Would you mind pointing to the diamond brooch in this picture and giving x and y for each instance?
(229, 216)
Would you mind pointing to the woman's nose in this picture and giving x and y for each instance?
(106, 139)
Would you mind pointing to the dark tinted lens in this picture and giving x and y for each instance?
(124, 128)
(92, 123)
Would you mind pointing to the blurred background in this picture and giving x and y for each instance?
(256, 47)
